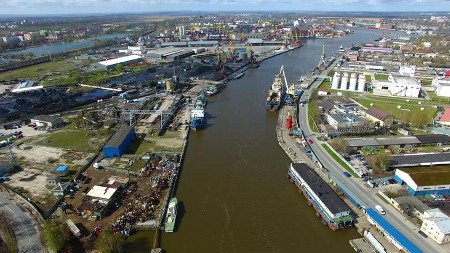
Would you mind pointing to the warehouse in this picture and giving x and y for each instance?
(404, 86)
(112, 63)
(442, 86)
(424, 180)
(420, 159)
(392, 234)
(343, 120)
(119, 142)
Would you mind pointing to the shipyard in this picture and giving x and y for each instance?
(168, 133)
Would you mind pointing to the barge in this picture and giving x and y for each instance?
(329, 206)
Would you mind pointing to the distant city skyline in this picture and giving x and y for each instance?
(119, 6)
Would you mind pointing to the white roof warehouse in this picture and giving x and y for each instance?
(112, 63)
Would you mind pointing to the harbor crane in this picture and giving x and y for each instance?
(144, 112)
(290, 89)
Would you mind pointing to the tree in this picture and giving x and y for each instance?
(340, 145)
(55, 234)
(383, 160)
(109, 242)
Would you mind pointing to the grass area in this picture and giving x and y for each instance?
(426, 82)
(381, 77)
(47, 70)
(313, 112)
(435, 98)
(383, 199)
(368, 78)
(331, 73)
(137, 165)
(408, 110)
(339, 160)
(326, 84)
(141, 147)
(89, 141)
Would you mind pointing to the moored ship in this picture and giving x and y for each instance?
(275, 94)
(329, 206)
(171, 215)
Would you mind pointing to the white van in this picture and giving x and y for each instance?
(380, 209)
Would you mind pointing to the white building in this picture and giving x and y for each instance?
(102, 194)
(442, 86)
(407, 70)
(343, 120)
(436, 225)
(404, 86)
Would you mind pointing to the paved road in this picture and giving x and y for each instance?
(28, 239)
(365, 194)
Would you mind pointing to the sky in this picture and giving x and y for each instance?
(119, 6)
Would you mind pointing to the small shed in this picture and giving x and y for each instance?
(62, 170)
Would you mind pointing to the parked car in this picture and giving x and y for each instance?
(380, 209)
(310, 141)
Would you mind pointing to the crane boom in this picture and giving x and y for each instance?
(282, 72)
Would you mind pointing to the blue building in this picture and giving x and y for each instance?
(424, 180)
(119, 142)
(391, 233)
(62, 170)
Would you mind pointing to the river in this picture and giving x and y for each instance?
(233, 186)
(67, 46)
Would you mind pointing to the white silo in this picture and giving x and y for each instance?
(344, 81)
(353, 82)
(361, 83)
(336, 79)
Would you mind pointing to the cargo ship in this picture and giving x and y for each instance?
(198, 120)
(171, 215)
(275, 94)
(335, 213)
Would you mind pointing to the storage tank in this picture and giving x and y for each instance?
(353, 81)
(344, 81)
(336, 79)
(361, 83)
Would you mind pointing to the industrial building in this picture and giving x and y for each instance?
(404, 86)
(333, 210)
(402, 141)
(420, 159)
(391, 233)
(442, 86)
(118, 143)
(436, 225)
(407, 70)
(343, 120)
(112, 63)
(424, 180)
(26, 86)
(47, 121)
(169, 53)
(350, 82)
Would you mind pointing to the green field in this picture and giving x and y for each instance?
(44, 70)
(381, 77)
(339, 160)
(408, 110)
(313, 112)
(89, 141)
(368, 78)
(326, 84)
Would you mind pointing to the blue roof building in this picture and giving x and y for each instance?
(62, 170)
(397, 238)
(119, 142)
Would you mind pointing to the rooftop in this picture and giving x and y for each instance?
(378, 113)
(427, 176)
(332, 201)
(418, 159)
(119, 136)
(399, 237)
(396, 78)
(120, 60)
(345, 117)
(101, 192)
(446, 116)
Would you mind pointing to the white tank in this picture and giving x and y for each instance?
(336, 79)
(362, 83)
(353, 81)
(344, 81)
